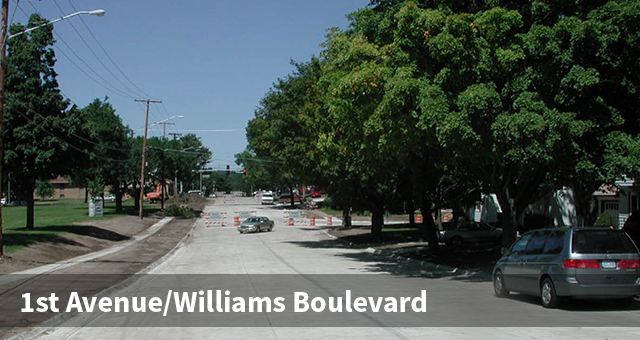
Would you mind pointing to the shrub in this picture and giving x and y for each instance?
(606, 219)
(179, 211)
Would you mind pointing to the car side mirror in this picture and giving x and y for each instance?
(504, 251)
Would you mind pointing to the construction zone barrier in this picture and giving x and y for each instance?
(236, 221)
(419, 218)
(329, 221)
(243, 215)
(312, 221)
(228, 199)
(215, 219)
(295, 217)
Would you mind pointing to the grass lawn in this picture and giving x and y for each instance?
(51, 220)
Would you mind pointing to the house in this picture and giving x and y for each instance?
(63, 188)
(623, 204)
(559, 207)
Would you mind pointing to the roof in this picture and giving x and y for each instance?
(606, 190)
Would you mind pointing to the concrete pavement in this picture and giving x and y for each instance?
(307, 251)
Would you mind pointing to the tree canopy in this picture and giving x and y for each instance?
(435, 101)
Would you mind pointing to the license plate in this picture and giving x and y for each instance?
(609, 264)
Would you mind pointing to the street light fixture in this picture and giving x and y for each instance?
(4, 37)
(97, 12)
(164, 123)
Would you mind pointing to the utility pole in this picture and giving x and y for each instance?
(175, 135)
(164, 128)
(144, 151)
(3, 70)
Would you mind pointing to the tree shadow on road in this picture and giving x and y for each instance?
(578, 305)
(402, 252)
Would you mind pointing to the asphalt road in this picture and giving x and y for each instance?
(304, 258)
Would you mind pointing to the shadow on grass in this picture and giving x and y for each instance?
(85, 230)
(25, 239)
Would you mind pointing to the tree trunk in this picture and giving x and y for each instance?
(162, 194)
(175, 187)
(428, 226)
(583, 199)
(346, 215)
(412, 214)
(377, 221)
(30, 206)
(136, 197)
(86, 195)
(118, 194)
(509, 220)
(293, 198)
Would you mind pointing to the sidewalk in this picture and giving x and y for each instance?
(112, 266)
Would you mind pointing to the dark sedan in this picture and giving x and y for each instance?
(471, 233)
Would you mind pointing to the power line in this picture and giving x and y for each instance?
(72, 145)
(93, 52)
(108, 85)
(107, 54)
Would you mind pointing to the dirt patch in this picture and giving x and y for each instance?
(89, 278)
(78, 239)
(402, 241)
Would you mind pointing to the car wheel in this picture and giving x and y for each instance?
(257, 229)
(548, 294)
(623, 303)
(499, 287)
(456, 242)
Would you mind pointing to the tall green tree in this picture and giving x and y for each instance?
(282, 132)
(170, 159)
(108, 147)
(36, 124)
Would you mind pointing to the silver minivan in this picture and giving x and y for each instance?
(557, 263)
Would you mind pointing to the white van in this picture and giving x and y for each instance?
(267, 198)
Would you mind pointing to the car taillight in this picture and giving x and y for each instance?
(581, 264)
(629, 264)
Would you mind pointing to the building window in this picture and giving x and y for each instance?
(612, 206)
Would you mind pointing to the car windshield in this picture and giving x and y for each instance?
(602, 242)
(267, 195)
(251, 220)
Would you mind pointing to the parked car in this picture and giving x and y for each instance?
(266, 198)
(470, 232)
(316, 193)
(286, 199)
(570, 262)
(256, 224)
(109, 198)
(196, 192)
(4, 200)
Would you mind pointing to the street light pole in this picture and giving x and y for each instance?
(3, 70)
(4, 36)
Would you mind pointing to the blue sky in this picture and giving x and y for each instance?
(208, 60)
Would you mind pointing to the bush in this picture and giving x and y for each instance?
(606, 219)
(179, 211)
